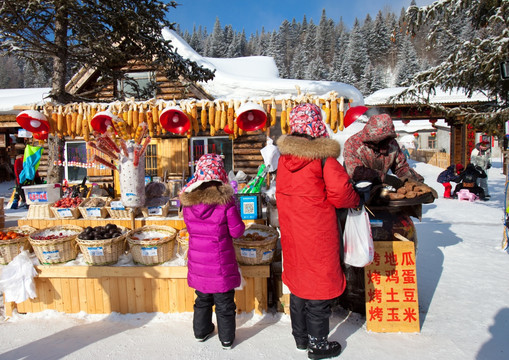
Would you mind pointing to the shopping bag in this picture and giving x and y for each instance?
(358, 240)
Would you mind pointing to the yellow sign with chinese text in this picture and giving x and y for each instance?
(391, 288)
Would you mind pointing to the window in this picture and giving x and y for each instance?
(75, 160)
(432, 142)
(151, 160)
(221, 145)
(140, 85)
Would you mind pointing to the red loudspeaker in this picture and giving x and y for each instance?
(251, 116)
(102, 120)
(33, 121)
(353, 113)
(174, 120)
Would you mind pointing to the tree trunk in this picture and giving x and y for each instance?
(55, 172)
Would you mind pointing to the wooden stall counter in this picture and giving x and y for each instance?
(130, 289)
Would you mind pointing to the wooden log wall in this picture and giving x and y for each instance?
(246, 152)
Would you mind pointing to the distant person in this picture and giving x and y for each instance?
(212, 219)
(20, 193)
(448, 175)
(481, 156)
(468, 180)
(404, 150)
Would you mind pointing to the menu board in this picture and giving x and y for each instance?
(391, 288)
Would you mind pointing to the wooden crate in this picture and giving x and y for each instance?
(130, 289)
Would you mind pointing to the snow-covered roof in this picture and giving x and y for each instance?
(418, 125)
(12, 98)
(256, 77)
(381, 97)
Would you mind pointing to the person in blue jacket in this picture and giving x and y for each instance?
(448, 175)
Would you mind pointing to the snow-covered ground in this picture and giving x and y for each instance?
(463, 299)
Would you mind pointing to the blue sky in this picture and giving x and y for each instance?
(253, 15)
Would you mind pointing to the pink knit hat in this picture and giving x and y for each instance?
(307, 119)
(210, 167)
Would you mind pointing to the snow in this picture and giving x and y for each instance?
(463, 302)
(381, 97)
(10, 98)
(256, 77)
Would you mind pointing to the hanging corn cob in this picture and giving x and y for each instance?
(273, 113)
(282, 118)
(142, 118)
(155, 118)
(150, 123)
(203, 116)
(86, 129)
(230, 114)
(289, 107)
(136, 118)
(224, 116)
(334, 113)
(54, 122)
(217, 117)
(60, 122)
(341, 113)
(194, 118)
(68, 122)
(79, 120)
(327, 109)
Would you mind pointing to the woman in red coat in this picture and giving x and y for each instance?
(307, 195)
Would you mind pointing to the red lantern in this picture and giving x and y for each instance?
(433, 134)
(416, 134)
(405, 121)
(433, 121)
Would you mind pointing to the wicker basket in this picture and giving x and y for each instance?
(256, 252)
(88, 211)
(156, 211)
(105, 251)
(9, 249)
(124, 213)
(183, 243)
(66, 213)
(59, 250)
(152, 252)
(40, 211)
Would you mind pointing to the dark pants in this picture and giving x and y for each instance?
(225, 315)
(309, 317)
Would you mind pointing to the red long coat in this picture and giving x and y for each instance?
(306, 197)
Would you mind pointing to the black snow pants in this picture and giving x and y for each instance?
(309, 317)
(225, 315)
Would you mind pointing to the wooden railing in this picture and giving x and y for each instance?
(436, 158)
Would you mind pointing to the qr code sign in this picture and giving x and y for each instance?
(248, 208)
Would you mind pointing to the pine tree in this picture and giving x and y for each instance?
(101, 35)
(472, 65)
(408, 64)
(217, 44)
(379, 40)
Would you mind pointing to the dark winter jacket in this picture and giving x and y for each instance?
(448, 175)
(373, 151)
(306, 197)
(212, 220)
(471, 174)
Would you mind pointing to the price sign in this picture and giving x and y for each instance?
(64, 212)
(391, 288)
(155, 210)
(117, 205)
(149, 251)
(95, 251)
(95, 212)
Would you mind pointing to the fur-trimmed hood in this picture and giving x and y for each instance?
(318, 148)
(211, 196)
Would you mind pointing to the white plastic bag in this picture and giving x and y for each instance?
(17, 281)
(358, 241)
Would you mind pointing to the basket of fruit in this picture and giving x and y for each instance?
(56, 244)
(67, 208)
(152, 244)
(257, 245)
(94, 208)
(182, 243)
(12, 239)
(102, 245)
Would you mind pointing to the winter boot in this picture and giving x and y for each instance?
(321, 348)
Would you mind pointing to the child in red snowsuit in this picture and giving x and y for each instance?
(448, 175)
